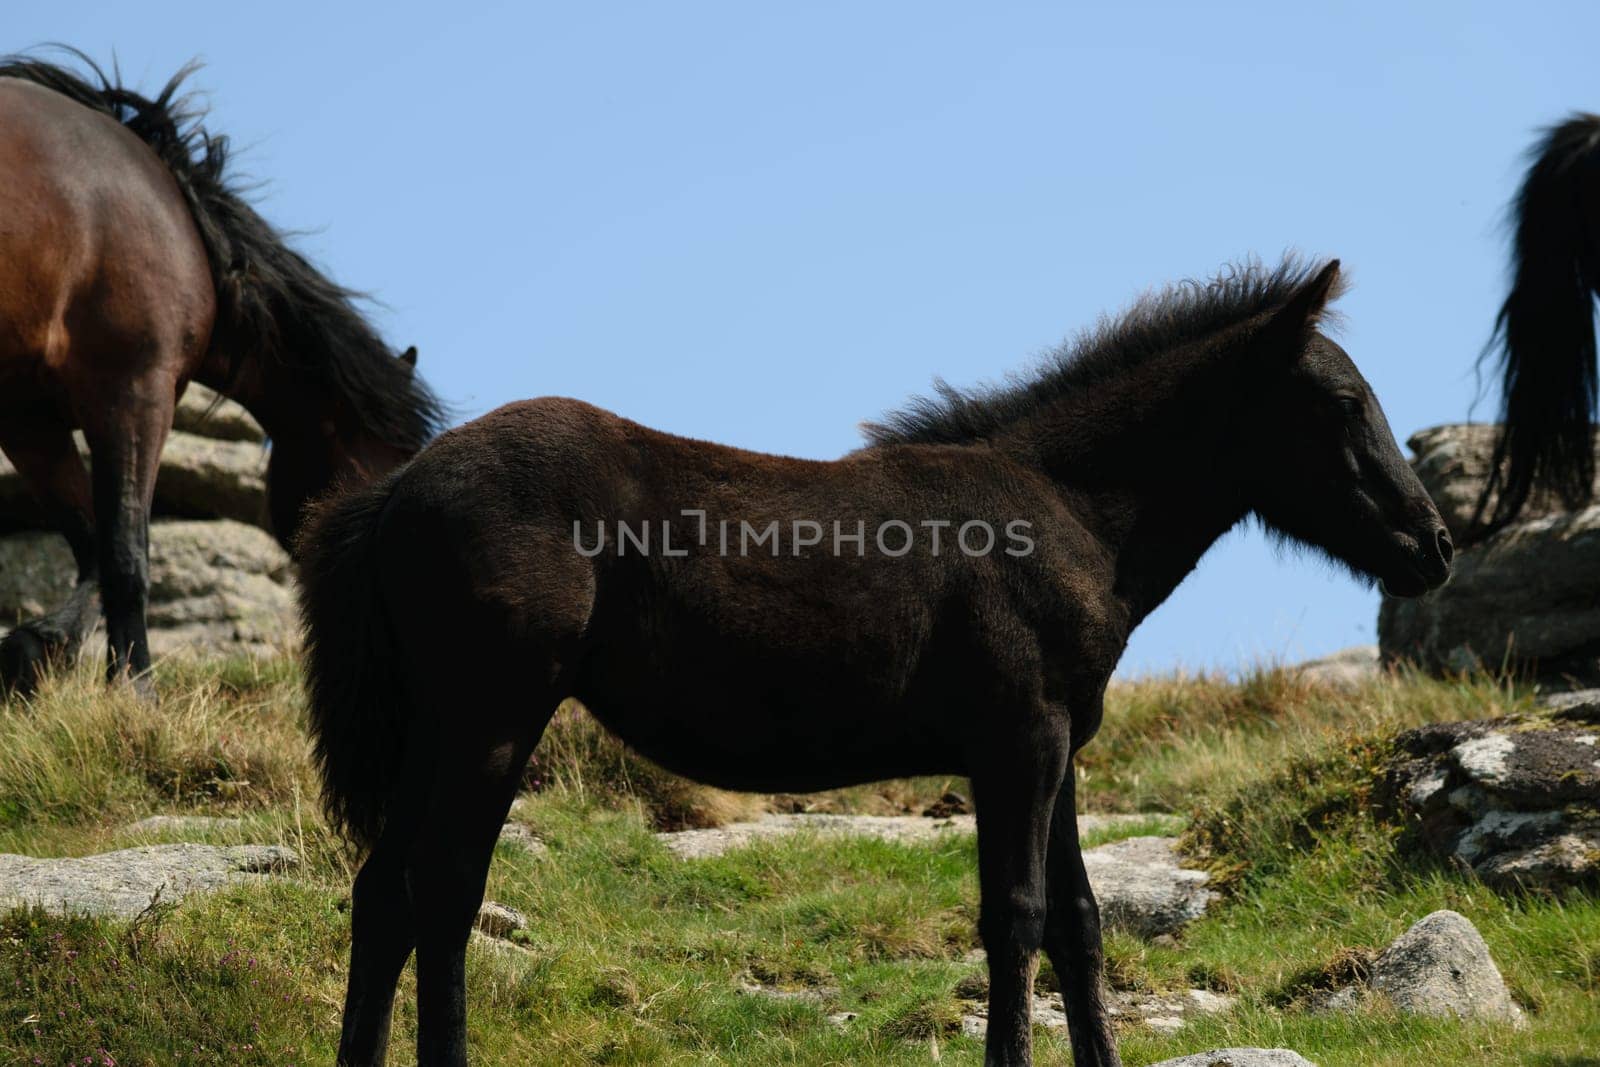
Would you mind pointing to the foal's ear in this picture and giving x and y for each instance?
(1304, 311)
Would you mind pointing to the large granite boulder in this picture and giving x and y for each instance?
(1527, 598)
(1516, 799)
(219, 586)
(213, 467)
(200, 478)
(1453, 464)
(204, 413)
(218, 580)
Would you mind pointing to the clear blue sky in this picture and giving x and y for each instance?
(761, 223)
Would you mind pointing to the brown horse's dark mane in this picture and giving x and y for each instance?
(1160, 322)
(272, 304)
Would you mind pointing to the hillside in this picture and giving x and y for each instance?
(800, 949)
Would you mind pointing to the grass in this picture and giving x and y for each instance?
(635, 957)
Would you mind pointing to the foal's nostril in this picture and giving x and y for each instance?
(1447, 550)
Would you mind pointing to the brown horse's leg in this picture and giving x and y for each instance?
(476, 778)
(125, 442)
(1072, 937)
(1015, 789)
(43, 452)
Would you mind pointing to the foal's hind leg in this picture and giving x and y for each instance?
(1072, 937)
(1015, 787)
(483, 750)
(42, 449)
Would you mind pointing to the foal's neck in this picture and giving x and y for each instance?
(1148, 463)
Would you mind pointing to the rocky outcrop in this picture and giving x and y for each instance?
(1528, 597)
(124, 883)
(218, 586)
(1517, 800)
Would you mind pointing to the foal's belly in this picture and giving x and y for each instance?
(770, 737)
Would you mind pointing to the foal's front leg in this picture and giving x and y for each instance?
(1015, 791)
(1072, 937)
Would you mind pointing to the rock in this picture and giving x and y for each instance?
(199, 477)
(218, 586)
(700, 844)
(203, 413)
(1240, 1057)
(182, 824)
(1349, 668)
(1441, 967)
(1515, 799)
(1141, 888)
(516, 835)
(1452, 463)
(1524, 597)
(818, 995)
(1138, 882)
(1574, 703)
(1163, 1012)
(498, 920)
(122, 884)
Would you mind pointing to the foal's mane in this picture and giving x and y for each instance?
(1180, 314)
(271, 302)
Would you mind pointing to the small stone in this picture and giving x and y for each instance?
(498, 920)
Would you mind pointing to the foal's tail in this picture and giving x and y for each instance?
(359, 710)
(1545, 330)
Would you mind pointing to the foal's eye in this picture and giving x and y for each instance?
(1350, 406)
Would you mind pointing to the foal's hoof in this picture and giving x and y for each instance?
(25, 653)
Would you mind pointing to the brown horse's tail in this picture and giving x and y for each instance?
(359, 708)
(1545, 330)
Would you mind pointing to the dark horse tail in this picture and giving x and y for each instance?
(1545, 330)
(271, 302)
(359, 709)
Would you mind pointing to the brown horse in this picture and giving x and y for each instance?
(951, 599)
(129, 265)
